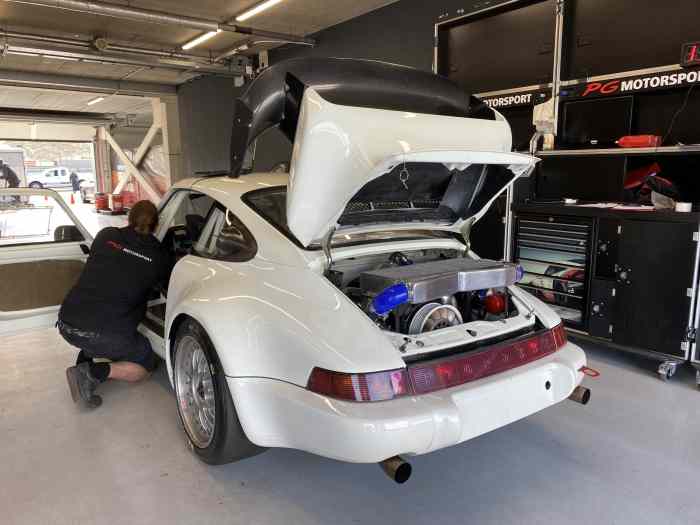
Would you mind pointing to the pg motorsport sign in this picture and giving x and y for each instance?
(621, 86)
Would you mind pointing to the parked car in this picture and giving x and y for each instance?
(339, 309)
(57, 177)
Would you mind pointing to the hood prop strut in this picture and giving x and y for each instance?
(326, 245)
(465, 231)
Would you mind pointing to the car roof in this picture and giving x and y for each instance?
(229, 190)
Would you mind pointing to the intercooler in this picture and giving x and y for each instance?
(435, 279)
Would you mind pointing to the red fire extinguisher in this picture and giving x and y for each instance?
(640, 141)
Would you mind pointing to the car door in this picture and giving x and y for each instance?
(181, 219)
(51, 177)
(43, 248)
(63, 177)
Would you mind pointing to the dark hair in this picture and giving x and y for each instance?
(143, 217)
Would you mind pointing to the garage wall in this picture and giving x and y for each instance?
(206, 115)
(402, 33)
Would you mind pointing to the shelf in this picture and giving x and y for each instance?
(662, 150)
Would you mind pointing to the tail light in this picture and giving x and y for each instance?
(423, 378)
(377, 386)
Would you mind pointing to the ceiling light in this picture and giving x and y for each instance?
(58, 57)
(257, 9)
(201, 38)
(95, 101)
(22, 53)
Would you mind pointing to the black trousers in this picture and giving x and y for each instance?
(134, 348)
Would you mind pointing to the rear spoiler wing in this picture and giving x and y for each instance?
(275, 97)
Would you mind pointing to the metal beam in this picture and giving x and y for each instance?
(63, 117)
(248, 44)
(132, 169)
(90, 85)
(156, 17)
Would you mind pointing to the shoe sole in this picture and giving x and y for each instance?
(72, 377)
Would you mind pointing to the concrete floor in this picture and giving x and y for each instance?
(631, 456)
(87, 215)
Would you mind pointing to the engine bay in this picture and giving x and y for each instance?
(417, 292)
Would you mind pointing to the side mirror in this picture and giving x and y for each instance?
(67, 233)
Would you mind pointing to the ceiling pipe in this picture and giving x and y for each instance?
(158, 17)
(248, 45)
(53, 51)
(89, 45)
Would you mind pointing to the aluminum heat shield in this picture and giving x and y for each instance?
(433, 280)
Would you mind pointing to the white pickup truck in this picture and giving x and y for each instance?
(56, 177)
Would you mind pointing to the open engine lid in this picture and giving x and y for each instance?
(360, 167)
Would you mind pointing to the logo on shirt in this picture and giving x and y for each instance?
(119, 247)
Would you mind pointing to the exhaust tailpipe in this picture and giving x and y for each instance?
(397, 469)
(581, 394)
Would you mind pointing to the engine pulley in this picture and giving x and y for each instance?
(434, 316)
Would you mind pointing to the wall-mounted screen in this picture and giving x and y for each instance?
(609, 36)
(503, 49)
(596, 123)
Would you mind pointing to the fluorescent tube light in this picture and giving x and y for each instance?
(59, 57)
(95, 101)
(22, 53)
(201, 38)
(256, 10)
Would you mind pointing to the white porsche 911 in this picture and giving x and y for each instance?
(338, 309)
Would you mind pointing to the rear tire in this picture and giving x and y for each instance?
(204, 401)
(36, 185)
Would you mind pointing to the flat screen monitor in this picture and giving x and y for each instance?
(504, 48)
(596, 123)
(592, 178)
(609, 36)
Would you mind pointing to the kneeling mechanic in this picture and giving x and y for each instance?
(100, 315)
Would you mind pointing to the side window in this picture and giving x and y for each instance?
(225, 237)
(35, 219)
(186, 210)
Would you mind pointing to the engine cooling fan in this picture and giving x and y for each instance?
(433, 316)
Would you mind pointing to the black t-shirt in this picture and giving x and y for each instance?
(113, 290)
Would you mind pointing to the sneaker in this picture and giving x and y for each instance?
(82, 385)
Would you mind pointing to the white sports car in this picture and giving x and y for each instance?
(339, 309)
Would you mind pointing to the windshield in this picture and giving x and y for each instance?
(34, 219)
(271, 205)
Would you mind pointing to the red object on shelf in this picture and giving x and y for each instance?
(636, 178)
(101, 201)
(640, 141)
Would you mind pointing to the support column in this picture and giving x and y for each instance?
(103, 165)
(172, 138)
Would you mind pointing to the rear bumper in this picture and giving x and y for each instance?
(278, 414)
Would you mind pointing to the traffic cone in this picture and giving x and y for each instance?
(46, 198)
(72, 198)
